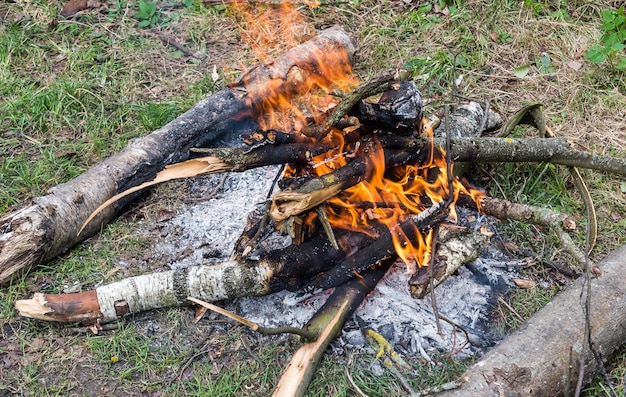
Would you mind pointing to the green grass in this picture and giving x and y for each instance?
(74, 91)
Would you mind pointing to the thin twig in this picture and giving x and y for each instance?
(587, 338)
(266, 214)
(458, 326)
(586, 306)
(505, 303)
(431, 278)
(244, 341)
(260, 230)
(403, 381)
(377, 85)
(254, 326)
(455, 384)
(167, 40)
(327, 227)
(349, 376)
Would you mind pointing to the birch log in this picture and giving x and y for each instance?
(542, 358)
(214, 282)
(39, 229)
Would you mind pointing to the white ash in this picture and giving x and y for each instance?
(206, 231)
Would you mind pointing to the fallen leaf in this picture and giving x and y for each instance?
(524, 284)
(36, 344)
(575, 65)
(72, 7)
(10, 359)
(486, 231)
(164, 215)
(214, 75)
(521, 71)
(569, 224)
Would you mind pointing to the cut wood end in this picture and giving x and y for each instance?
(36, 307)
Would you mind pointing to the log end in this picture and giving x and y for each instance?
(66, 308)
(36, 307)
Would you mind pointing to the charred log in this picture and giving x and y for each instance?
(40, 229)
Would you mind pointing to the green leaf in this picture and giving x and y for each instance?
(622, 187)
(610, 39)
(618, 46)
(521, 71)
(608, 15)
(143, 8)
(621, 65)
(596, 54)
(425, 8)
(144, 24)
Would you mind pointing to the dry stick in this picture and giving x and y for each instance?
(354, 386)
(323, 217)
(431, 278)
(377, 85)
(480, 150)
(254, 326)
(533, 115)
(265, 218)
(167, 40)
(586, 307)
(448, 201)
(327, 323)
(539, 216)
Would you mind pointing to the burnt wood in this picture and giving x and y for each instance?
(42, 228)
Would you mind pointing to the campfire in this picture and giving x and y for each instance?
(366, 186)
(353, 179)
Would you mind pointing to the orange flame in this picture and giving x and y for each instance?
(390, 196)
(289, 103)
(299, 95)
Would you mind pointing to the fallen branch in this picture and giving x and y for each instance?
(520, 366)
(327, 323)
(281, 269)
(547, 217)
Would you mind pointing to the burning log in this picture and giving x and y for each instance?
(288, 269)
(40, 229)
(543, 357)
(402, 150)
